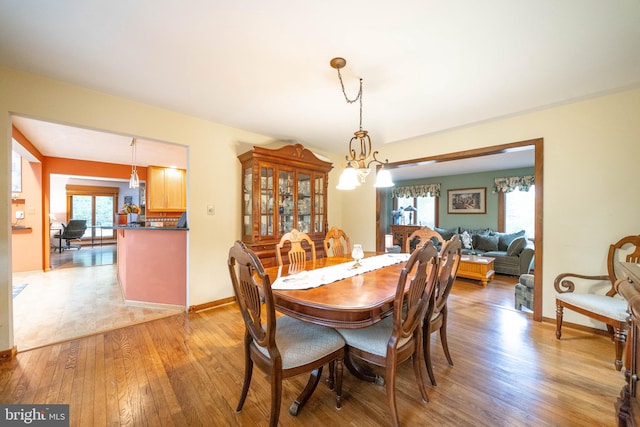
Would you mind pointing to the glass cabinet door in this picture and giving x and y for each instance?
(318, 204)
(304, 202)
(285, 197)
(247, 208)
(266, 201)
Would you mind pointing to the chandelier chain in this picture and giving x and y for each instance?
(351, 101)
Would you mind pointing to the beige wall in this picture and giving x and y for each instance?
(590, 196)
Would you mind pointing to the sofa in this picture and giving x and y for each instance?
(513, 252)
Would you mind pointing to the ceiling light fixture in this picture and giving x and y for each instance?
(359, 164)
(134, 181)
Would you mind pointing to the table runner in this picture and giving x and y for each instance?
(322, 276)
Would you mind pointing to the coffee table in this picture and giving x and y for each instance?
(477, 268)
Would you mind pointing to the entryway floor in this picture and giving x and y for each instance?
(72, 302)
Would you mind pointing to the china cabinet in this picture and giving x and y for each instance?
(282, 189)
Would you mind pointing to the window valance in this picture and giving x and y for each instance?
(424, 190)
(511, 183)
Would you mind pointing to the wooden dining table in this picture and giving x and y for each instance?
(354, 302)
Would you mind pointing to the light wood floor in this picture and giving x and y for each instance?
(78, 297)
(187, 370)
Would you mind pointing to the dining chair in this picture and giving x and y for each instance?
(398, 337)
(297, 253)
(423, 235)
(337, 243)
(282, 347)
(449, 261)
(590, 301)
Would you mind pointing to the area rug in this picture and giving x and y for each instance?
(18, 288)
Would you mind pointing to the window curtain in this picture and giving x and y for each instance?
(425, 190)
(511, 183)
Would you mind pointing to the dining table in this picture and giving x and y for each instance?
(357, 301)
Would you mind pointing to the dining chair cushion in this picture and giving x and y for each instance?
(615, 308)
(373, 339)
(301, 342)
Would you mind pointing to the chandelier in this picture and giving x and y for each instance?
(134, 181)
(359, 163)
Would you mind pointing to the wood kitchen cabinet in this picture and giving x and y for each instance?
(282, 189)
(166, 189)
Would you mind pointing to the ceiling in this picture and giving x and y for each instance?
(427, 65)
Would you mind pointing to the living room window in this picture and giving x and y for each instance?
(519, 210)
(425, 210)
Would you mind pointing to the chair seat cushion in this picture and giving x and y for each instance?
(301, 342)
(373, 339)
(613, 308)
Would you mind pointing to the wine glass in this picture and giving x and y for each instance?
(357, 254)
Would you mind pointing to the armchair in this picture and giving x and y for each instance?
(602, 307)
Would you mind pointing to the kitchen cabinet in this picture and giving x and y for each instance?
(166, 189)
(282, 189)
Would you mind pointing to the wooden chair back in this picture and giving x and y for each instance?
(423, 235)
(306, 347)
(337, 243)
(449, 261)
(297, 253)
(401, 333)
(252, 287)
(450, 255)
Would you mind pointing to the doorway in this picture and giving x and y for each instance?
(537, 146)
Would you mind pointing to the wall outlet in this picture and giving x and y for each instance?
(211, 210)
(19, 214)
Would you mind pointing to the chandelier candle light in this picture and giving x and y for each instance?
(359, 164)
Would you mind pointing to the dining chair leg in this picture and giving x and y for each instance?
(418, 368)
(390, 384)
(443, 337)
(314, 379)
(339, 372)
(248, 371)
(426, 345)
(332, 373)
(276, 397)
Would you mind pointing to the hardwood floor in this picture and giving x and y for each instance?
(80, 296)
(187, 370)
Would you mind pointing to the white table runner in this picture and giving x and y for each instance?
(322, 276)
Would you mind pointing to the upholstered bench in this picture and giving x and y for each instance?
(524, 292)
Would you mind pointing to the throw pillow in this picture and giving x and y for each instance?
(505, 239)
(446, 233)
(487, 243)
(516, 246)
(475, 232)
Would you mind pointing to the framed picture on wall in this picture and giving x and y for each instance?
(467, 201)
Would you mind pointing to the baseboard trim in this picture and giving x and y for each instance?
(211, 304)
(8, 354)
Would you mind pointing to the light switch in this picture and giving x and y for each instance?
(211, 210)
